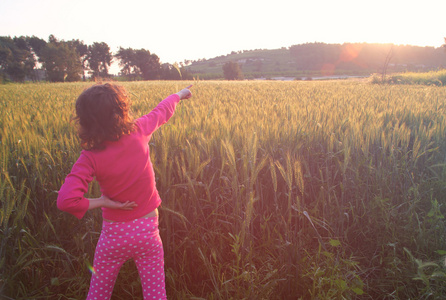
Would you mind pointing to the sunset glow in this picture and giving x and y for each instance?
(350, 52)
(175, 31)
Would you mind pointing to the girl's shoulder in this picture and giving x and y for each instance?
(143, 125)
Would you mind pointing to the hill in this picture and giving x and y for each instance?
(320, 59)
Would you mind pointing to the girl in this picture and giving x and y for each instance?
(116, 152)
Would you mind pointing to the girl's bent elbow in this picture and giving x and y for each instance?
(62, 204)
(78, 210)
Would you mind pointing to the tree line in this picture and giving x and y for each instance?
(27, 58)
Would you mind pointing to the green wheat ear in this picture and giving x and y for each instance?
(175, 65)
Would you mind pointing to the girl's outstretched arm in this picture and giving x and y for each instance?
(162, 112)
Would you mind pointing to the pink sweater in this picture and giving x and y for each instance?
(123, 169)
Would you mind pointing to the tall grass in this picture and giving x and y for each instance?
(432, 78)
(271, 190)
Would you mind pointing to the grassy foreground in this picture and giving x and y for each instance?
(272, 190)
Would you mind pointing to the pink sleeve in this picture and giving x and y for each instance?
(71, 197)
(159, 115)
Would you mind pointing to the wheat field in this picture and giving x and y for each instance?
(271, 190)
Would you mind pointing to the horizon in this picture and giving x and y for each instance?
(175, 32)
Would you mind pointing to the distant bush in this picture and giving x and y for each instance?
(433, 78)
(232, 71)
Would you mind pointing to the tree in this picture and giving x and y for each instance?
(232, 71)
(37, 45)
(147, 64)
(139, 63)
(16, 58)
(5, 53)
(125, 57)
(82, 51)
(99, 59)
(61, 61)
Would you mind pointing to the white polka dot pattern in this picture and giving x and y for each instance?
(120, 241)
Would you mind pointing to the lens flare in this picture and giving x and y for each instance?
(91, 269)
(350, 52)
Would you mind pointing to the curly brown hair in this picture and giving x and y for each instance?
(102, 114)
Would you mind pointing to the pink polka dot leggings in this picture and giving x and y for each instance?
(119, 241)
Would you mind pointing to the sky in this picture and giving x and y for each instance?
(177, 30)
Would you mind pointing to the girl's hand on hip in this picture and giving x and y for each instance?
(124, 206)
(118, 205)
(104, 201)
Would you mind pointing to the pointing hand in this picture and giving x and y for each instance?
(185, 93)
